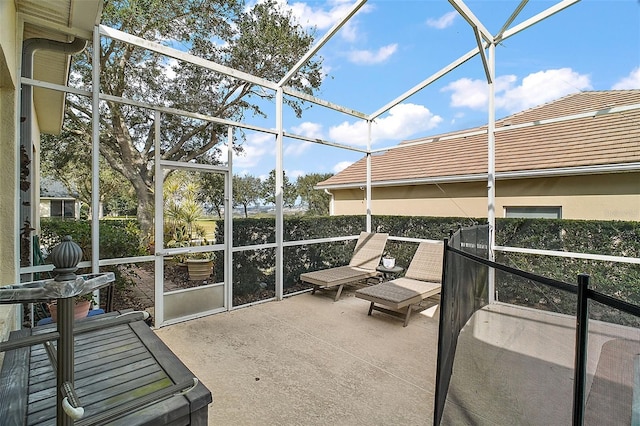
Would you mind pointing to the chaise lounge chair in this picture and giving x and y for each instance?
(365, 259)
(403, 295)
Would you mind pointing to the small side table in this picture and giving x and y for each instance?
(389, 273)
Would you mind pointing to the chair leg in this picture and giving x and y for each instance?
(370, 309)
(408, 316)
(315, 287)
(338, 292)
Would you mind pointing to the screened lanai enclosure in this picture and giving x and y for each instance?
(481, 334)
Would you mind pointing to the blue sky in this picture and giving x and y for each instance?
(389, 46)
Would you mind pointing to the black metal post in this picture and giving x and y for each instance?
(65, 356)
(582, 332)
(441, 389)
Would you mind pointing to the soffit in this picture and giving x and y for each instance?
(51, 66)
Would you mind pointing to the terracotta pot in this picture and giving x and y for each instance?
(199, 269)
(80, 310)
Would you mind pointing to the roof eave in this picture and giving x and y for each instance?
(478, 177)
(82, 16)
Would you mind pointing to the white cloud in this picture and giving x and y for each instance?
(543, 86)
(255, 148)
(442, 22)
(535, 89)
(224, 151)
(474, 94)
(632, 81)
(295, 149)
(323, 19)
(350, 31)
(308, 129)
(341, 166)
(467, 93)
(294, 174)
(368, 57)
(169, 68)
(317, 16)
(402, 121)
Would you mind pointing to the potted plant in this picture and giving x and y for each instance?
(388, 261)
(81, 307)
(200, 265)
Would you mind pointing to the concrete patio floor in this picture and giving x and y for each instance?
(311, 361)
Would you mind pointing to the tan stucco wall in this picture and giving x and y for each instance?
(8, 58)
(8, 106)
(594, 197)
(591, 197)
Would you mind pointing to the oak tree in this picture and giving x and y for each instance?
(264, 41)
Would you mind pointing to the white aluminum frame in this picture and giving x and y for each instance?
(483, 40)
(161, 251)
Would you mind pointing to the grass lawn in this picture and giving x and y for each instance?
(209, 226)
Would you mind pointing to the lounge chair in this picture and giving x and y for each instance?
(365, 259)
(403, 295)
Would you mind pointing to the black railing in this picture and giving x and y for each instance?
(463, 293)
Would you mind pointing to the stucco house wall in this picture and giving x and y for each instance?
(56, 200)
(16, 17)
(8, 124)
(577, 157)
(591, 197)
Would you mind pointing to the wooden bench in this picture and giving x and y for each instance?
(116, 368)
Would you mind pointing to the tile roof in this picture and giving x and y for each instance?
(594, 140)
(53, 188)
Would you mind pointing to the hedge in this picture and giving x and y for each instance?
(615, 238)
(254, 269)
(118, 238)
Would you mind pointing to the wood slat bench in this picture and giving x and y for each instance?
(114, 367)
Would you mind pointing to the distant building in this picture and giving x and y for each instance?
(574, 158)
(56, 200)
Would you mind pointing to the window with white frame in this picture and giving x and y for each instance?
(63, 208)
(546, 212)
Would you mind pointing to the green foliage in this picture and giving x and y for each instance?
(66, 160)
(268, 190)
(301, 228)
(262, 39)
(246, 191)
(252, 269)
(269, 43)
(212, 191)
(118, 238)
(317, 200)
(122, 204)
(182, 209)
(434, 228)
(615, 238)
(303, 258)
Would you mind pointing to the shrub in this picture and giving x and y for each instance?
(118, 238)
